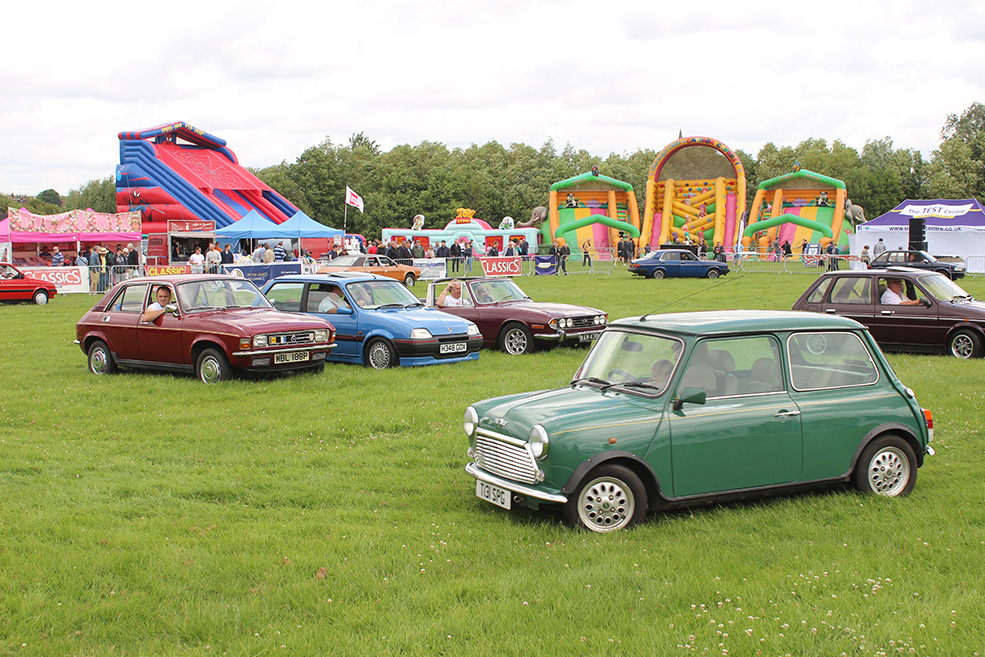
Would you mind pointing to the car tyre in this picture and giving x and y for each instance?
(516, 339)
(610, 498)
(380, 355)
(212, 366)
(712, 273)
(965, 343)
(101, 359)
(40, 297)
(658, 274)
(409, 280)
(888, 466)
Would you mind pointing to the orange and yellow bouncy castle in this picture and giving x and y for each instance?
(695, 185)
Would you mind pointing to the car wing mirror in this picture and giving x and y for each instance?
(689, 396)
(171, 308)
(343, 310)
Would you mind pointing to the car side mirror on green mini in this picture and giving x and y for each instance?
(689, 396)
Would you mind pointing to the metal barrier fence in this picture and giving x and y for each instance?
(758, 263)
(597, 261)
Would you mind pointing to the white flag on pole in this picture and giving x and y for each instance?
(353, 199)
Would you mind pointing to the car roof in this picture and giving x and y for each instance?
(737, 321)
(341, 277)
(186, 278)
(902, 270)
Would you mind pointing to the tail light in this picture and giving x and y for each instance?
(928, 417)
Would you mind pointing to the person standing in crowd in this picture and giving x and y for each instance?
(522, 248)
(227, 255)
(878, 249)
(467, 254)
(586, 253)
(197, 261)
(82, 260)
(258, 252)
(442, 251)
(213, 259)
(456, 256)
(133, 261)
(57, 257)
(119, 265)
(279, 252)
(94, 264)
(865, 255)
(418, 250)
(268, 254)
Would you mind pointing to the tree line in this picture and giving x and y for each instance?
(498, 181)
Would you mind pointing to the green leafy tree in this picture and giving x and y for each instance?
(51, 197)
(98, 194)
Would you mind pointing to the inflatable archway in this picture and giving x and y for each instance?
(695, 185)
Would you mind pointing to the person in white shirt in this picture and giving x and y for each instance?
(893, 296)
(197, 261)
(451, 296)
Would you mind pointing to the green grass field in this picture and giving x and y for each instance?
(147, 514)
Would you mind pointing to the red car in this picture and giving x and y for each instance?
(15, 285)
(512, 321)
(208, 325)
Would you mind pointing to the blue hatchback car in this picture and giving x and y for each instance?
(378, 321)
(668, 263)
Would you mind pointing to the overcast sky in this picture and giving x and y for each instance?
(274, 78)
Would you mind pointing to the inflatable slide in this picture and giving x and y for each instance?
(176, 171)
(591, 207)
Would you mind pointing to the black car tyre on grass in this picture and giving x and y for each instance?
(409, 280)
(658, 274)
(380, 354)
(611, 497)
(212, 367)
(965, 343)
(100, 359)
(887, 467)
(712, 273)
(40, 297)
(516, 339)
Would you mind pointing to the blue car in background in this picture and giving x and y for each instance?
(670, 263)
(378, 322)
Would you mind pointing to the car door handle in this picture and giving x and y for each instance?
(830, 310)
(787, 414)
(887, 312)
(106, 318)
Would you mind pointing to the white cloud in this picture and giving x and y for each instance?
(274, 79)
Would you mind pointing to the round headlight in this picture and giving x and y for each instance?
(470, 420)
(538, 441)
(259, 341)
(420, 334)
(321, 335)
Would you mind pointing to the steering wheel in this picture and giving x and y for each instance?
(622, 374)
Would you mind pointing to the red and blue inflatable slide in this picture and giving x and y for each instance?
(176, 171)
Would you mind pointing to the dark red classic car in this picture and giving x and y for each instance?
(15, 285)
(208, 325)
(512, 321)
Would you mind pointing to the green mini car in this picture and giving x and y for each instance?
(669, 410)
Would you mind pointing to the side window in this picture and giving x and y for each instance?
(130, 299)
(670, 256)
(818, 294)
(286, 296)
(829, 360)
(852, 290)
(735, 366)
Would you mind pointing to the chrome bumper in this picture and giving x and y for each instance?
(267, 352)
(513, 486)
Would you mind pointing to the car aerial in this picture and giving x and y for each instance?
(378, 322)
(668, 263)
(917, 260)
(15, 285)
(670, 410)
(373, 264)
(212, 326)
(947, 319)
(512, 321)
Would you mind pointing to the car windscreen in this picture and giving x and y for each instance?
(634, 360)
(373, 295)
(345, 261)
(496, 291)
(942, 288)
(219, 293)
